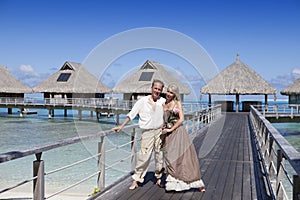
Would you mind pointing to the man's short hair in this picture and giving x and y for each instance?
(158, 81)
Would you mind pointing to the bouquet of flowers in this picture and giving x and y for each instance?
(172, 118)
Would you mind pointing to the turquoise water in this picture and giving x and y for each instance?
(17, 133)
(291, 132)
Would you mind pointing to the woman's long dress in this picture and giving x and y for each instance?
(182, 164)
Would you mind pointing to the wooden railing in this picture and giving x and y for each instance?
(278, 110)
(194, 121)
(281, 160)
(89, 102)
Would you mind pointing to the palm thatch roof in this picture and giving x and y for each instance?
(9, 84)
(238, 78)
(72, 78)
(141, 80)
(294, 88)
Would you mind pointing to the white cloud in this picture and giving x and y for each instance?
(296, 73)
(27, 75)
(28, 70)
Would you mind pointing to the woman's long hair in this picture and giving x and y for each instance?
(175, 90)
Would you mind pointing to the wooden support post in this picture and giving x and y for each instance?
(101, 164)
(80, 114)
(237, 102)
(49, 114)
(39, 183)
(98, 116)
(266, 102)
(118, 119)
(296, 187)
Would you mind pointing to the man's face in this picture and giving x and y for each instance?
(156, 90)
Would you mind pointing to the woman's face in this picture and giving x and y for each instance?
(170, 94)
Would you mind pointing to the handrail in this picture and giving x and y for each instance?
(4, 157)
(198, 119)
(278, 110)
(271, 141)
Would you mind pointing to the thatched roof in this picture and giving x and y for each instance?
(9, 84)
(294, 88)
(238, 78)
(141, 80)
(72, 78)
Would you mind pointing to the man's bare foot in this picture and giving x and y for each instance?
(133, 185)
(158, 182)
(202, 189)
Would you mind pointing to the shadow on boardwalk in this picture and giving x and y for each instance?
(230, 169)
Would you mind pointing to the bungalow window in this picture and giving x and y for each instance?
(63, 77)
(146, 76)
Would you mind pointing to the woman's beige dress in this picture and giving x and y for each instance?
(182, 164)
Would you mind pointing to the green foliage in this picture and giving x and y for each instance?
(96, 190)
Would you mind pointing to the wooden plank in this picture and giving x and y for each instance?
(247, 181)
(228, 189)
(238, 182)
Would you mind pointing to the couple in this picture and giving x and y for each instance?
(162, 131)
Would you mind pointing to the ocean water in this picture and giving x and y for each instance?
(291, 132)
(19, 133)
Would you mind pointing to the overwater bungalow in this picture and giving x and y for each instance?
(139, 83)
(293, 92)
(11, 88)
(238, 79)
(72, 81)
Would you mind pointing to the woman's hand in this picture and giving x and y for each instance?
(166, 130)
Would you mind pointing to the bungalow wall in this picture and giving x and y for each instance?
(12, 95)
(71, 95)
(294, 99)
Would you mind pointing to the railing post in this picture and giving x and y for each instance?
(187, 124)
(279, 159)
(193, 124)
(198, 120)
(133, 149)
(296, 187)
(101, 164)
(39, 182)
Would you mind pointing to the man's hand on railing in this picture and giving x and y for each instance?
(117, 128)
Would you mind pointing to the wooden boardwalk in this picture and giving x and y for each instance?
(230, 169)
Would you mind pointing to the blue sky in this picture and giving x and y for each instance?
(37, 37)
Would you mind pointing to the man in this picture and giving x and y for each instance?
(150, 111)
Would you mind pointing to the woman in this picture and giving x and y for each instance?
(183, 169)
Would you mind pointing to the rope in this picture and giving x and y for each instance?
(71, 165)
(17, 185)
(73, 185)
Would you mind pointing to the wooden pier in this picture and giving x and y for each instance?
(230, 170)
